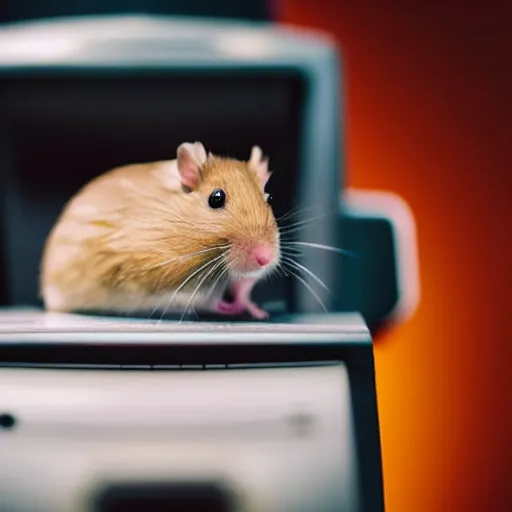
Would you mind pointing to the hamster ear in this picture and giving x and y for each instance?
(260, 166)
(190, 159)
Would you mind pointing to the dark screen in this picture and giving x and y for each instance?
(59, 132)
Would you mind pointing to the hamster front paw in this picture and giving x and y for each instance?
(237, 308)
(241, 290)
(256, 312)
(229, 308)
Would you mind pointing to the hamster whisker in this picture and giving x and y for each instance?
(295, 211)
(321, 246)
(299, 267)
(202, 267)
(300, 224)
(291, 251)
(304, 282)
(203, 279)
(280, 271)
(196, 272)
(283, 269)
(222, 273)
(185, 256)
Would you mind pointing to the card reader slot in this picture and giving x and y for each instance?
(83, 355)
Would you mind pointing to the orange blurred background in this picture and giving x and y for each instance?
(429, 118)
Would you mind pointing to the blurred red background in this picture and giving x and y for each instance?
(428, 91)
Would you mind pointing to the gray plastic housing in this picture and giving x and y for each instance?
(113, 59)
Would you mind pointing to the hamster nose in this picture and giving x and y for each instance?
(263, 254)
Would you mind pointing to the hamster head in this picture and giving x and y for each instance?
(227, 199)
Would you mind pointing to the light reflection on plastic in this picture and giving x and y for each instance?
(41, 48)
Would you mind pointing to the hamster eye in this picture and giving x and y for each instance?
(268, 199)
(217, 199)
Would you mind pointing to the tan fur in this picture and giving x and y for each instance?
(121, 243)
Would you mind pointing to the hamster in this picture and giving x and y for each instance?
(166, 236)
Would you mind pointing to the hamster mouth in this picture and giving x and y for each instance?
(240, 271)
(237, 274)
